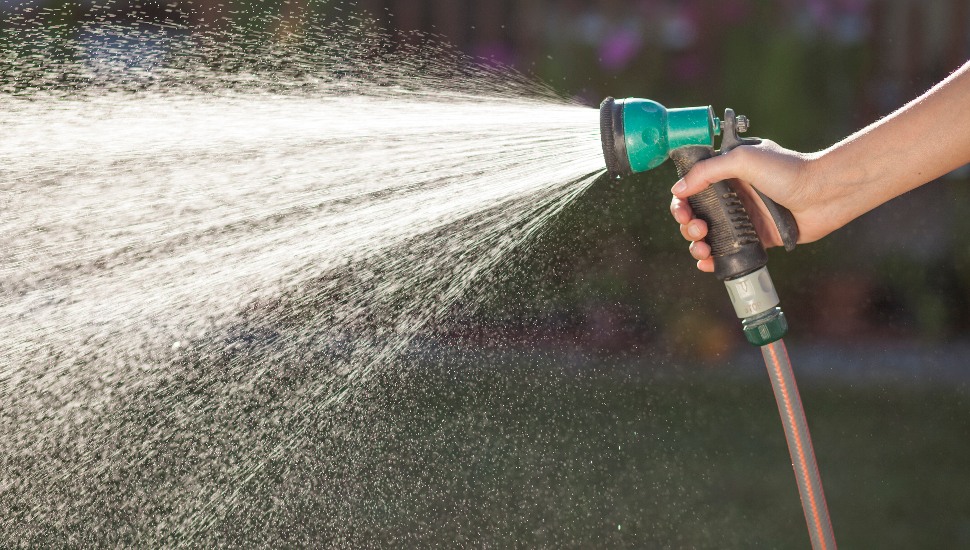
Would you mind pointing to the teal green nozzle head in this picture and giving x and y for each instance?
(638, 134)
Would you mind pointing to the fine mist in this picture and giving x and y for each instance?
(205, 260)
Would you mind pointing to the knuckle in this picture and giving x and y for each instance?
(742, 152)
(680, 205)
(675, 206)
(741, 156)
(768, 145)
(697, 177)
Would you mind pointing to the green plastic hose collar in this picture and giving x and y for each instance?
(652, 131)
(765, 329)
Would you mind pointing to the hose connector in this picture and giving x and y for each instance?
(755, 302)
(752, 294)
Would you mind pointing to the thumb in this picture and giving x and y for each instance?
(710, 171)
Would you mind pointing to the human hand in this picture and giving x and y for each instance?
(783, 175)
(827, 190)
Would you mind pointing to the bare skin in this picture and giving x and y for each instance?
(918, 143)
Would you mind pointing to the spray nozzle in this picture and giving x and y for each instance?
(640, 134)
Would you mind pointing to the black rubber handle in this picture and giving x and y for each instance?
(783, 218)
(735, 245)
(784, 221)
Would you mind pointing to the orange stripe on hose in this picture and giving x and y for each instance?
(799, 447)
(814, 462)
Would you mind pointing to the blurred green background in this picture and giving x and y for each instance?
(623, 409)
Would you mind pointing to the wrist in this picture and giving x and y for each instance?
(839, 188)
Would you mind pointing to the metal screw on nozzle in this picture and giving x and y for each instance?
(743, 124)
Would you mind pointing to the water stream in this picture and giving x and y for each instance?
(199, 267)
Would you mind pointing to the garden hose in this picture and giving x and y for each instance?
(640, 134)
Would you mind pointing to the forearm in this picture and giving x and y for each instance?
(923, 140)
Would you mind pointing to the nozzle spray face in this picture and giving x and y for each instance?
(613, 138)
(639, 134)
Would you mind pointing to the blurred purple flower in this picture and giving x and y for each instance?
(497, 53)
(619, 48)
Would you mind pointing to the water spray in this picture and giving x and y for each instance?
(639, 135)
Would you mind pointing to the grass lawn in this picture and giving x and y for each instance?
(495, 450)
(533, 455)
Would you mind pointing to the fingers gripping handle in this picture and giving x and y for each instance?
(783, 218)
(735, 245)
